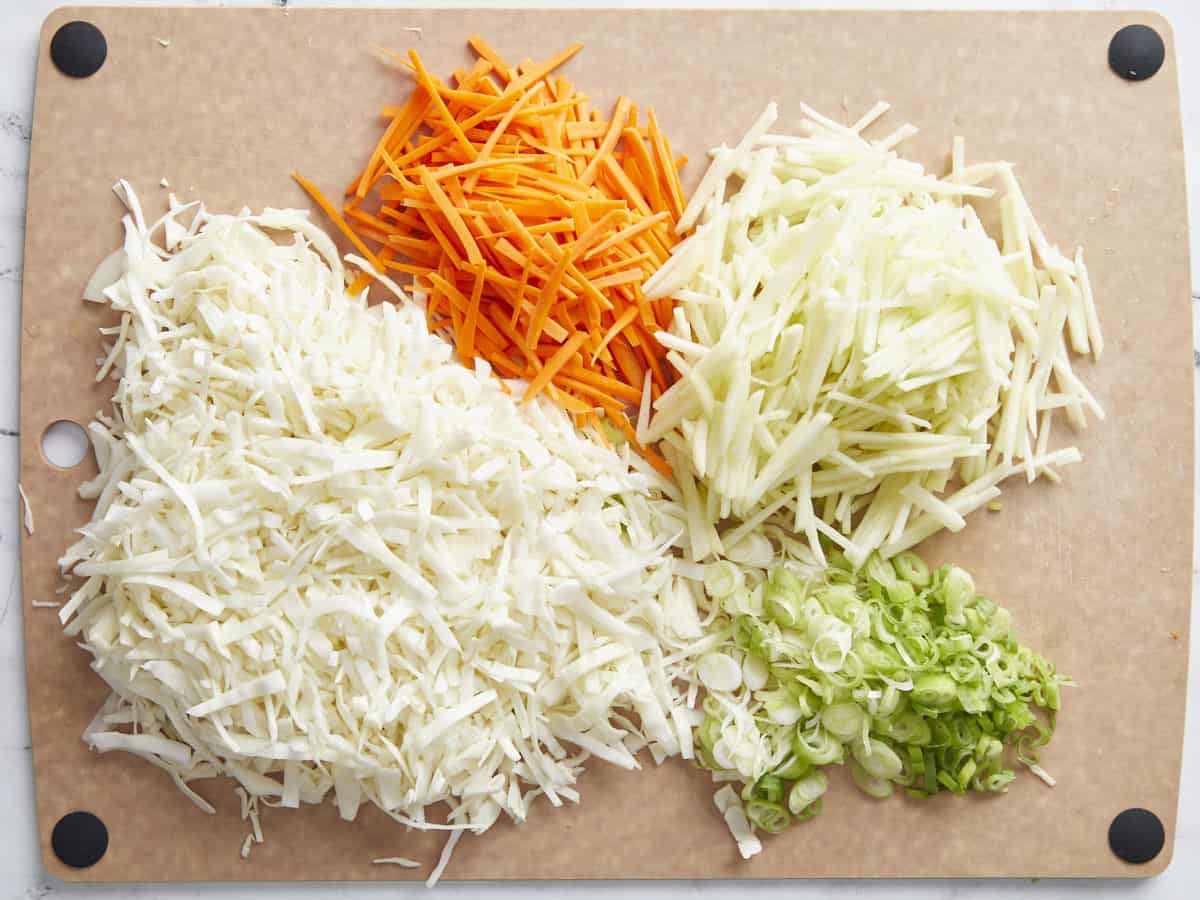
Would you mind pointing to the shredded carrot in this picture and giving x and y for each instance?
(329, 210)
(545, 301)
(485, 51)
(628, 234)
(435, 91)
(472, 319)
(666, 166)
(614, 387)
(620, 117)
(529, 220)
(622, 423)
(625, 318)
(555, 363)
(356, 286)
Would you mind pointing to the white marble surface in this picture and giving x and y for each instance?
(21, 872)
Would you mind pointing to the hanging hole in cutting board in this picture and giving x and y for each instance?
(64, 444)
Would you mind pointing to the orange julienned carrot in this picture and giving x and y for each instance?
(529, 220)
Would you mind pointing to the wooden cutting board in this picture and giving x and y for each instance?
(226, 103)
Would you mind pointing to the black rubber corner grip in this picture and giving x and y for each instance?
(1136, 52)
(79, 839)
(1136, 836)
(78, 49)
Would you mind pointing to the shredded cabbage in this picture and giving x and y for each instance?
(907, 675)
(858, 357)
(28, 510)
(326, 557)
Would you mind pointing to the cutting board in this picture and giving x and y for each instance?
(224, 104)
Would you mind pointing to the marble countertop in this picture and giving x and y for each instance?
(21, 873)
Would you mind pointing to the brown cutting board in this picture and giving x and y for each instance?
(225, 103)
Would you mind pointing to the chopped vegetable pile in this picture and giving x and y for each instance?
(529, 221)
(325, 556)
(856, 352)
(329, 559)
(907, 675)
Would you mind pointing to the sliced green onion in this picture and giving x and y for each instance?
(751, 634)
(935, 690)
(795, 767)
(811, 811)
(912, 569)
(880, 571)
(880, 761)
(782, 707)
(723, 578)
(909, 728)
(973, 697)
(769, 788)
(818, 747)
(708, 732)
(782, 606)
(770, 817)
(843, 720)
(958, 590)
(906, 672)
(807, 791)
(872, 785)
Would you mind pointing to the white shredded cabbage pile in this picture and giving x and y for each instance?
(857, 354)
(327, 557)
